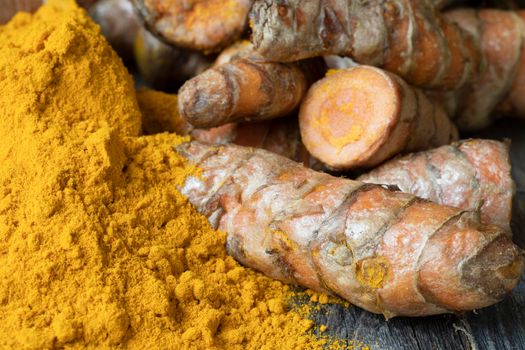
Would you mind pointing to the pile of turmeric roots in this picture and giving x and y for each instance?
(343, 87)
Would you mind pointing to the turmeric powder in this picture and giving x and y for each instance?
(98, 249)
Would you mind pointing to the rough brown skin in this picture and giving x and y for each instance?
(280, 135)
(166, 67)
(387, 252)
(245, 89)
(204, 25)
(361, 116)
(406, 37)
(472, 175)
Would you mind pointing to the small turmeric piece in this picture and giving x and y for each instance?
(245, 89)
(204, 25)
(387, 252)
(361, 116)
(471, 175)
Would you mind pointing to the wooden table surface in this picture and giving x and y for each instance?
(498, 327)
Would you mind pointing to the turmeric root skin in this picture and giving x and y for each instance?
(500, 36)
(280, 136)
(387, 252)
(205, 25)
(514, 104)
(472, 175)
(361, 116)
(406, 37)
(245, 89)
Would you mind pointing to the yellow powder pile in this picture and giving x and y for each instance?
(97, 248)
(160, 113)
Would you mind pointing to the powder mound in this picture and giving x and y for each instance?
(97, 247)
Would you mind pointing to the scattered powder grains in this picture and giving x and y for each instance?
(97, 248)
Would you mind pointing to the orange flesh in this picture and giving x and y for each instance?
(348, 115)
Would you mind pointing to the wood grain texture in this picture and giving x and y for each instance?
(501, 326)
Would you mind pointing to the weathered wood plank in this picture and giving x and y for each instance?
(501, 326)
(363, 328)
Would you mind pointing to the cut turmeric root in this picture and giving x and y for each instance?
(407, 37)
(387, 252)
(472, 175)
(361, 116)
(205, 25)
(245, 89)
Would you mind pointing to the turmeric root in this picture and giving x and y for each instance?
(280, 136)
(406, 37)
(387, 252)
(500, 35)
(9, 8)
(118, 23)
(205, 25)
(514, 104)
(471, 175)
(219, 135)
(361, 116)
(166, 67)
(245, 89)
(240, 49)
